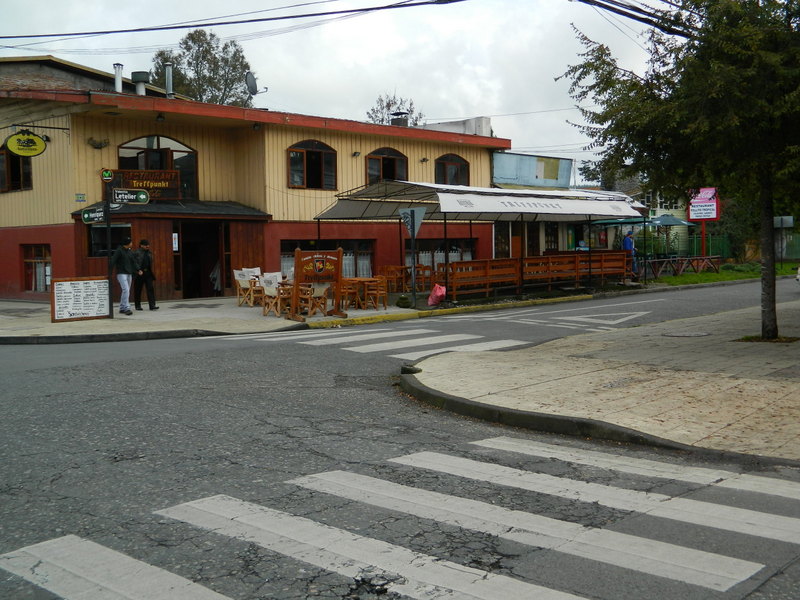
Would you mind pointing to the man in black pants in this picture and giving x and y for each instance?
(145, 277)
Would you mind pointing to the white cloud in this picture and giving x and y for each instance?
(459, 60)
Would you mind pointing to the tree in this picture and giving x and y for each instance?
(381, 113)
(205, 70)
(718, 106)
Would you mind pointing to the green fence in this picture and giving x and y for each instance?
(716, 245)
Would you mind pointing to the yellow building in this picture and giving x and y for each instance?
(227, 187)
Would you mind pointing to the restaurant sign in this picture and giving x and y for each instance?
(25, 143)
(159, 185)
(317, 267)
(704, 206)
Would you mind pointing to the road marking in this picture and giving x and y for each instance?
(357, 337)
(426, 341)
(480, 346)
(647, 468)
(739, 520)
(77, 569)
(280, 335)
(631, 552)
(607, 318)
(425, 577)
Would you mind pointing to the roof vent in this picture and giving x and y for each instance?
(118, 77)
(399, 118)
(140, 78)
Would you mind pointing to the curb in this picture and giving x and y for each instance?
(571, 426)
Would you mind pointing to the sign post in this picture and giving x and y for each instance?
(703, 207)
(412, 218)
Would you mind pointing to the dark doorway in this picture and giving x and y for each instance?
(199, 257)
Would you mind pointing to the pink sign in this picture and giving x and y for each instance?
(704, 206)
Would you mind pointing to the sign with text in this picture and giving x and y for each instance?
(704, 206)
(25, 143)
(159, 185)
(78, 299)
(93, 215)
(317, 267)
(123, 196)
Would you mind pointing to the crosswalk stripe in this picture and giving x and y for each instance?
(480, 346)
(750, 522)
(350, 554)
(647, 468)
(345, 338)
(77, 569)
(631, 552)
(426, 341)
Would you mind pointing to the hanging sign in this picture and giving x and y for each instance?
(704, 206)
(412, 217)
(25, 143)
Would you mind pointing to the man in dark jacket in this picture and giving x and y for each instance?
(145, 277)
(124, 261)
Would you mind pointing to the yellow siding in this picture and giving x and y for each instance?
(52, 197)
(287, 204)
(234, 164)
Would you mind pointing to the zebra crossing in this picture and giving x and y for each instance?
(406, 344)
(711, 562)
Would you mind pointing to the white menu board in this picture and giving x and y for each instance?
(79, 298)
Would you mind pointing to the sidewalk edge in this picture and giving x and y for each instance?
(571, 426)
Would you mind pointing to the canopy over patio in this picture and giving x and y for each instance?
(384, 200)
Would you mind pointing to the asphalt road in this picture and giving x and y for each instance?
(249, 469)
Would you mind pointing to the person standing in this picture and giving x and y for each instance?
(630, 247)
(145, 277)
(124, 261)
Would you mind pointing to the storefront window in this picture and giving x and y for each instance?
(37, 267)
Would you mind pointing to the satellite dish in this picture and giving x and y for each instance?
(250, 82)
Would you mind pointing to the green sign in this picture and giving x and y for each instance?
(123, 196)
(93, 215)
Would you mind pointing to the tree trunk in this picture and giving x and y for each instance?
(769, 314)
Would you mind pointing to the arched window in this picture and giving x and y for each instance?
(451, 169)
(159, 153)
(312, 165)
(386, 163)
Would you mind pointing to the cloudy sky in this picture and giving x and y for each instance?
(496, 58)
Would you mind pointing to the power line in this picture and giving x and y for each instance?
(403, 4)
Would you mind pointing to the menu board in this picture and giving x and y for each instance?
(78, 298)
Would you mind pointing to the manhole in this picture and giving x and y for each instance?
(687, 334)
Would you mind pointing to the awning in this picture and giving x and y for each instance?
(462, 203)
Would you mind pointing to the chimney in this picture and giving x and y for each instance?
(399, 118)
(168, 77)
(140, 78)
(118, 77)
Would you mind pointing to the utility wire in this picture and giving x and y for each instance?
(404, 4)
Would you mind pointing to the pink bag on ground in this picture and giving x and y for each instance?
(438, 294)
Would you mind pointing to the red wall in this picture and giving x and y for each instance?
(387, 237)
(61, 239)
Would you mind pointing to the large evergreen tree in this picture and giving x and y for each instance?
(205, 69)
(719, 106)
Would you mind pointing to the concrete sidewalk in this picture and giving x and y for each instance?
(688, 384)
(683, 384)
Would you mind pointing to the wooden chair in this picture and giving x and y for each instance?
(271, 301)
(348, 294)
(375, 293)
(396, 278)
(319, 298)
(424, 278)
(244, 292)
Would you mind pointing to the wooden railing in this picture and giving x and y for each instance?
(678, 265)
(488, 276)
